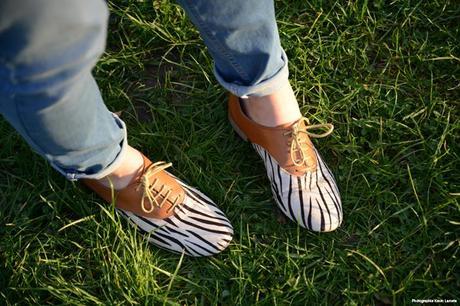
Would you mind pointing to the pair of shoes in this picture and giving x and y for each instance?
(179, 218)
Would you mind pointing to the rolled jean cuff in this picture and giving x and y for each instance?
(264, 88)
(76, 175)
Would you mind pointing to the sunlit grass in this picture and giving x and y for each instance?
(385, 74)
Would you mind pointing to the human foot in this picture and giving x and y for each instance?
(173, 215)
(273, 110)
(302, 185)
(130, 166)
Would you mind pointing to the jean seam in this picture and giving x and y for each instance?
(69, 174)
(216, 43)
(12, 78)
(24, 127)
(9, 77)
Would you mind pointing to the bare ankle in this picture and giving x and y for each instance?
(129, 168)
(275, 109)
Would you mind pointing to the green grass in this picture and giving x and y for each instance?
(387, 74)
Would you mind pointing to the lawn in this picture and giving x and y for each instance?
(385, 73)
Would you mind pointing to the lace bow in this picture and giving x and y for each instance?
(297, 154)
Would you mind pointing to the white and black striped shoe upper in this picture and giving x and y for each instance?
(312, 200)
(197, 228)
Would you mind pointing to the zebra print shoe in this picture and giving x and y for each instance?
(171, 214)
(302, 185)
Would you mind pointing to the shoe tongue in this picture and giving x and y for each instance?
(302, 127)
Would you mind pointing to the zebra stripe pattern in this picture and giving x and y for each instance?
(197, 228)
(312, 200)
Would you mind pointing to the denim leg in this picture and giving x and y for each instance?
(242, 37)
(47, 93)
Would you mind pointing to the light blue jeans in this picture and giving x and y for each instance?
(49, 47)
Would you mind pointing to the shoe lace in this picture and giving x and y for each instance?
(296, 143)
(149, 190)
